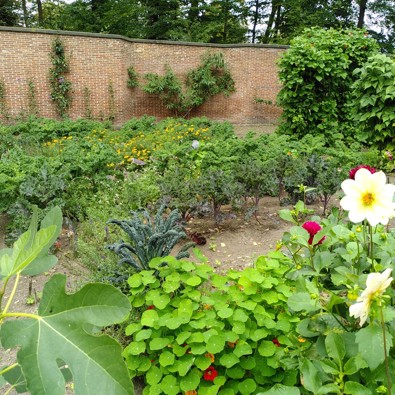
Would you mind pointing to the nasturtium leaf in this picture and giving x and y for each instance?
(161, 301)
(170, 286)
(236, 372)
(158, 343)
(247, 387)
(279, 389)
(229, 360)
(184, 364)
(248, 363)
(154, 375)
(266, 348)
(185, 307)
(145, 363)
(132, 328)
(238, 327)
(202, 362)
(198, 349)
(135, 280)
(231, 337)
(169, 385)
(167, 358)
(182, 337)
(242, 348)
(259, 334)
(215, 344)
(225, 313)
(196, 337)
(194, 281)
(190, 381)
(240, 315)
(59, 332)
(149, 317)
(143, 334)
(248, 304)
(135, 348)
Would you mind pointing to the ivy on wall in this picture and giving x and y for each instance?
(61, 88)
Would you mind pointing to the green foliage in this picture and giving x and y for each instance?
(317, 76)
(149, 238)
(61, 88)
(374, 100)
(190, 319)
(62, 336)
(3, 103)
(210, 78)
(132, 77)
(32, 99)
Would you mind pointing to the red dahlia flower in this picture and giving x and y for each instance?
(313, 228)
(355, 169)
(210, 374)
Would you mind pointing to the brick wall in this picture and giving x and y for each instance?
(96, 61)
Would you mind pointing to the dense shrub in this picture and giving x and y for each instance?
(317, 75)
(374, 100)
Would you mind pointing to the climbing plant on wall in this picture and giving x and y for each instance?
(61, 88)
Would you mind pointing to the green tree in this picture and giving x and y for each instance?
(317, 75)
(8, 15)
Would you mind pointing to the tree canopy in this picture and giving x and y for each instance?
(216, 21)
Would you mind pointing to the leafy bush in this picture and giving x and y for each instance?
(374, 100)
(317, 75)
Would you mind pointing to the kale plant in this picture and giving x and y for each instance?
(149, 238)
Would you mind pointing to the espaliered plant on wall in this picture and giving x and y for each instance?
(210, 78)
(60, 86)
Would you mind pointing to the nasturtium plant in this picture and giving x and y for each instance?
(213, 333)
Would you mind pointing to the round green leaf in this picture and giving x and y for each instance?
(166, 358)
(216, 344)
(182, 337)
(202, 362)
(242, 348)
(229, 360)
(161, 301)
(153, 376)
(236, 372)
(238, 327)
(143, 334)
(225, 313)
(158, 343)
(194, 281)
(190, 381)
(149, 317)
(248, 363)
(184, 364)
(266, 348)
(135, 280)
(247, 387)
(240, 315)
(169, 385)
(135, 348)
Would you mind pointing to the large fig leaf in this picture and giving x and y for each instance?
(63, 332)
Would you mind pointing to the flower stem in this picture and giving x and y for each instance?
(387, 368)
(371, 242)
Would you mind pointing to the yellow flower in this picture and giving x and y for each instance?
(368, 197)
(376, 284)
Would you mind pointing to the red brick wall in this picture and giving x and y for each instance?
(98, 60)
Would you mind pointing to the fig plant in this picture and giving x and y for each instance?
(62, 340)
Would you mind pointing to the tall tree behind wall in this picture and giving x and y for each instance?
(8, 13)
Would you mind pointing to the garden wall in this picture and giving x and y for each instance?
(99, 62)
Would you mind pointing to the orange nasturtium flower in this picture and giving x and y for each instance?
(191, 392)
(210, 356)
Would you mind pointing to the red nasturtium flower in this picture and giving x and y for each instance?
(150, 307)
(313, 228)
(276, 342)
(355, 169)
(210, 374)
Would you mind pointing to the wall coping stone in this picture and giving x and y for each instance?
(137, 40)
